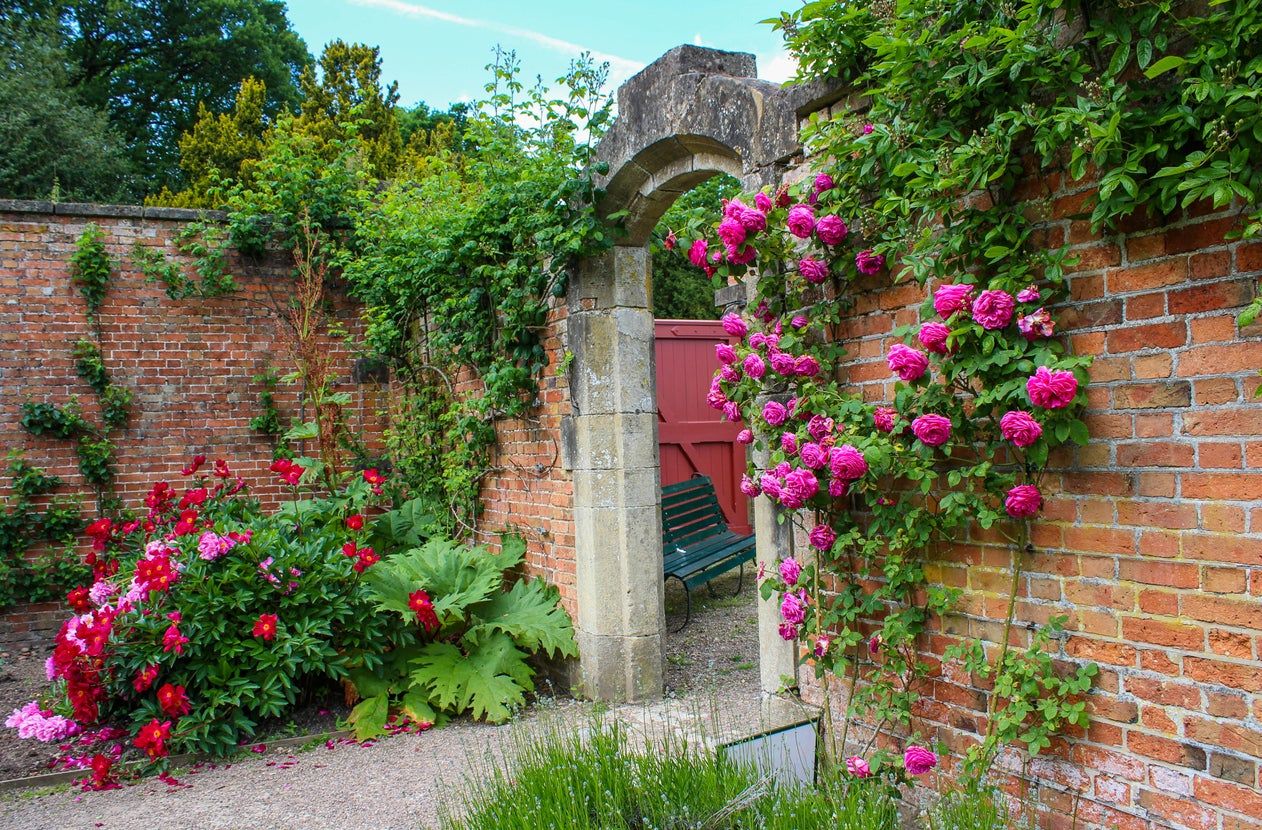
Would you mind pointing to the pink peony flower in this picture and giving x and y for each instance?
(813, 270)
(734, 325)
(906, 362)
(883, 418)
(774, 413)
(1020, 428)
(831, 230)
(754, 366)
(801, 221)
(1023, 501)
(847, 463)
(933, 336)
(698, 252)
(1052, 389)
(858, 767)
(822, 537)
(789, 443)
(932, 430)
(917, 760)
(1036, 325)
(869, 262)
(993, 309)
(949, 299)
(790, 571)
(1029, 295)
(793, 606)
(725, 353)
(745, 436)
(814, 455)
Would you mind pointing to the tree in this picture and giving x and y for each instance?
(681, 290)
(51, 143)
(347, 94)
(150, 63)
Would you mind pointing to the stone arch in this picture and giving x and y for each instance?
(693, 113)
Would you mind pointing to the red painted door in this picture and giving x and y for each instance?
(692, 437)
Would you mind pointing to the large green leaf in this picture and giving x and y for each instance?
(528, 612)
(368, 718)
(487, 682)
(455, 576)
(409, 526)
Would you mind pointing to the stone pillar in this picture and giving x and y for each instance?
(617, 497)
(777, 660)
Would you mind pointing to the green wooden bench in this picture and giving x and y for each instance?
(697, 544)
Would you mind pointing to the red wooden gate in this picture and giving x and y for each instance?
(691, 436)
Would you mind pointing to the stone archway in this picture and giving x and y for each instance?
(691, 114)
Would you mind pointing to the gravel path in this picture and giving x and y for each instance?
(402, 782)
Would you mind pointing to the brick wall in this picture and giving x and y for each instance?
(190, 363)
(1151, 540)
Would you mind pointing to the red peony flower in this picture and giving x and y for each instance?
(173, 700)
(281, 465)
(152, 739)
(293, 475)
(144, 678)
(420, 602)
(375, 478)
(102, 777)
(187, 523)
(350, 549)
(265, 626)
(355, 522)
(193, 498)
(367, 558)
(194, 465)
(173, 640)
(221, 469)
(79, 600)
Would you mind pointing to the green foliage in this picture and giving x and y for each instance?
(583, 779)
(91, 366)
(24, 525)
(977, 808)
(90, 268)
(116, 406)
(268, 421)
(205, 244)
(474, 660)
(96, 459)
(49, 419)
(680, 290)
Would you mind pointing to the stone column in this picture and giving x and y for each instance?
(617, 498)
(777, 659)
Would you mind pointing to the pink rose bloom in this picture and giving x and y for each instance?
(867, 129)
(745, 436)
(734, 325)
(754, 220)
(789, 443)
(754, 366)
(799, 322)
(949, 299)
(1020, 428)
(847, 463)
(1023, 501)
(731, 374)
(731, 411)
(790, 570)
(823, 182)
(784, 363)
(869, 262)
(884, 417)
(763, 202)
(933, 336)
(749, 487)
(812, 270)
(821, 645)
(743, 255)
(698, 252)
(932, 430)
(788, 631)
(838, 488)
(819, 427)
(858, 767)
(993, 309)
(874, 645)
(725, 353)
(770, 486)
(793, 606)
(1036, 325)
(732, 208)
(800, 485)
(732, 232)
(758, 340)
(831, 229)
(801, 221)
(822, 537)
(917, 760)
(906, 362)
(1051, 389)
(1029, 295)
(774, 414)
(806, 366)
(813, 455)
(773, 341)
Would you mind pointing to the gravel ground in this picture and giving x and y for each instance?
(402, 782)
(21, 681)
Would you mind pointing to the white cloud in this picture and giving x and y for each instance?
(778, 67)
(619, 67)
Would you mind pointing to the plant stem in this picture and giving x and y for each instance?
(1023, 538)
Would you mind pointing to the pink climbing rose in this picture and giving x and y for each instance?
(732, 232)
(784, 363)
(1052, 389)
(698, 252)
(801, 221)
(789, 443)
(831, 229)
(847, 463)
(869, 262)
(1020, 428)
(933, 336)
(814, 455)
(788, 631)
(822, 182)
(932, 430)
(906, 362)
(749, 487)
(858, 767)
(725, 353)
(790, 571)
(883, 417)
(745, 436)
(1030, 294)
(734, 325)
(763, 202)
(949, 299)
(1023, 501)
(1036, 324)
(918, 760)
(822, 537)
(813, 270)
(774, 413)
(819, 427)
(753, 219)
(800, 486)
(754, 366)
(793, 607)
(806, 366)
(993, 309)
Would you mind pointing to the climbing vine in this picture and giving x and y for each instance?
(29, 518)
(90, 267)
(205, 246)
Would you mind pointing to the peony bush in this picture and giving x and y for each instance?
(207, 616)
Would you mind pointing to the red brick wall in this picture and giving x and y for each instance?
(189, 363)
(1151, 541)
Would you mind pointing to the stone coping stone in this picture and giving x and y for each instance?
(113, 211)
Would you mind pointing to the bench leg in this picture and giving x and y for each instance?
(740, 583)
(687, 605)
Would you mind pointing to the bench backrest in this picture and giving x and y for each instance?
(690, 512)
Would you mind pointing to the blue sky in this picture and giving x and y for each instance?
(436, 49)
